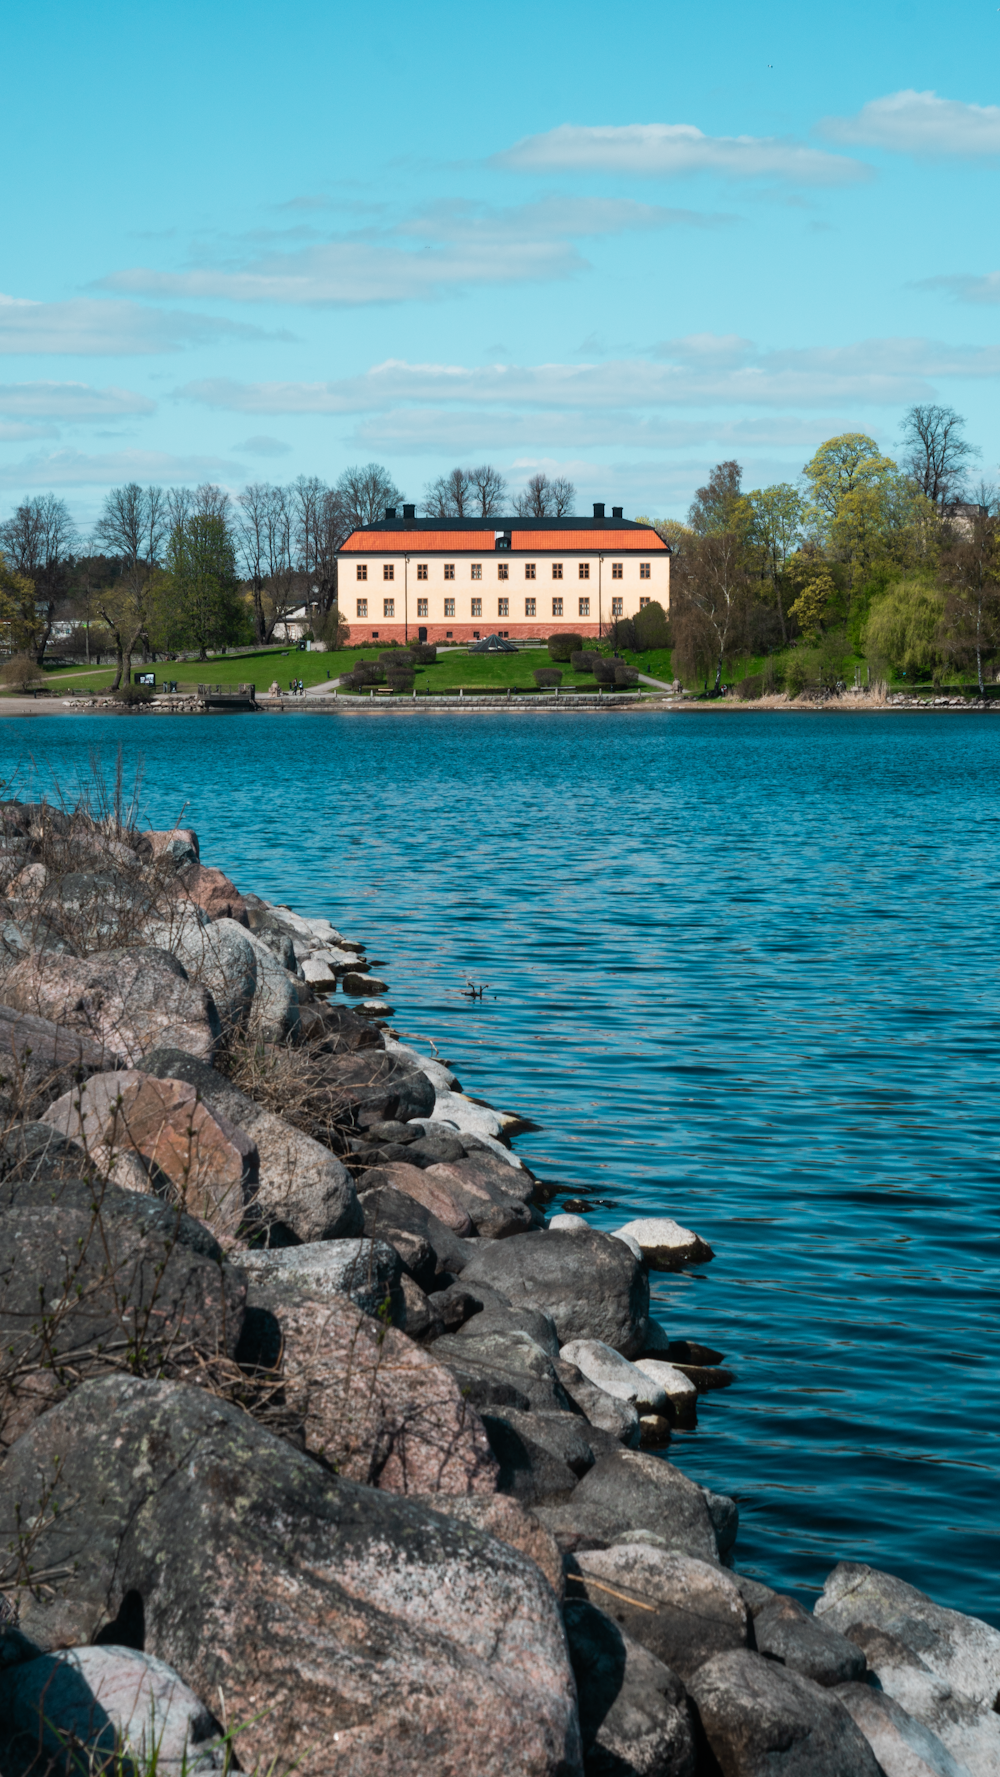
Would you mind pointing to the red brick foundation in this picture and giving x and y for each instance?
(383, 635)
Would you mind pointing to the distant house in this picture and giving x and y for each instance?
(456, 579)
(293, 625)
(963, 514)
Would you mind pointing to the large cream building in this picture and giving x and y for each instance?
(436, 580)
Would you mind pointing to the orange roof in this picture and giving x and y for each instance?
(415, 542)
(574, 540)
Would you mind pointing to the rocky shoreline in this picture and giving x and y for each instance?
(323, 1445)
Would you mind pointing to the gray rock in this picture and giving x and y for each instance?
(221, 956)
(590, 1285)
(961, 1650)
(415, 1233)
(902, 1745)
(607, 1369)
(264, 1575)
(684, 1611)
(618, 1418)
(368, 1271)
(530, 1471)
(633, 1711)
(492, 1314)
(725, 1516)
(762, 1721)
(785, 1632)
(970, 1730)
(665, 1245)
(368, 1086)
(302, 1187)
(128, 1001)
(631, 1490)
(494, 1212)
(109, 1700)
(755, 1594)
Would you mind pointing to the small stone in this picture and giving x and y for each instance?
(363, 985)
(666, 1246)
(612, 1372)
(567, 1224)
(654, 1431)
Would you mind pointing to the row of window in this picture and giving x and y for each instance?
(503, 607)
(503, 570)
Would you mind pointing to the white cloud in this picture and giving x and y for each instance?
(20, 431)
(69, 401)
(666, 150)
(72, 468)
(86, 327)
(263, 445)
(884, 371)
(419, 431)
(446, 247)
(967, 286)
(920, 123)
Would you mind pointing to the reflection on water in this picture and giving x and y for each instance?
(741, 968)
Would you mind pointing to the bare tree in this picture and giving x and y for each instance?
(321, 523)
(489, 490)
(450, 496)
(132, 526)
(365, 493)
(209, 501)
(542, 498)
(712, 597)
(36, 542)
(937, 456)
(970, 570)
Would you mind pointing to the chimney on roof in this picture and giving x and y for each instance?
(409, 514)
(598, 508)
(390, 512)
(616, 511)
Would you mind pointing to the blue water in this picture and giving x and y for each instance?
(742, 970)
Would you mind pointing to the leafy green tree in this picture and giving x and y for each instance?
(709, 612)
(720, 505)
(861, 509)
(204, 585)
(775, 526)
(21, 625)
(903, 628)
(970, 573)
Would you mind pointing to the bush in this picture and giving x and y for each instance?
(133, 694)
(750, 688)
(622, 634)
(423, 653)
(401, 661)
(21, 673)
(604, 670)
(799, 672)
(563, 647)
(369, 672)
(652, 628)
(583, 660)
(626, 676)
(546, 676)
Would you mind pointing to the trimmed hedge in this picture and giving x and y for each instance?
(423, 653)
(546, 676)
(561, 647)
(626, 676)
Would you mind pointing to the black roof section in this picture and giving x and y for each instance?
(404, 520)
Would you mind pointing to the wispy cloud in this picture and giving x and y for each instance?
(69, 402)
(419, 431)
(72, 468)
(667, 150)
(909, 122)
(696, 371)
(89, 327)
(982, 287)
(262, 445)
(446, 247)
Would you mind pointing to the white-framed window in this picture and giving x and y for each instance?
(557, 607)
(503, 570)
(449, 570)
(529, 607)
(422, 607)
(644, 602)
(477, 607)
(362, 570)
(584, 570)
(449, 607)
(529, 570)
(421, 570)
(362, 607)
(388, 607)
(477, 570)
(617, 607)
(388, 570)
(617, 570)
(645, 572)
(503, 607)
(557, 568)
(584, 608)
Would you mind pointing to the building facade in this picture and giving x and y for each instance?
(409, 579)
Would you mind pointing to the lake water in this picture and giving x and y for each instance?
(742, 970)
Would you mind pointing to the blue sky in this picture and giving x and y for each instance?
(243, 242)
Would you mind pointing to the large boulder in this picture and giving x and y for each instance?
(682, 1610)
(368, 1271)
(128, 1002)
(506, 1519)
(634, 1718)
(961, 1650)
(426, 1247)
(967, 1727)
(495, 1213)
(84, 1291)
(39, 1060)
(105, 1699)
(369, 1086)
(343, 1625)
(422, 1187)
(591, 1285)
(187, 1151)
(902, 1745)
(212, 891)
(629, 1490)
(761, 1721)
(785, 1632)
(608, 1370)
(223, 958)
(304, 1192)
(362, 1396)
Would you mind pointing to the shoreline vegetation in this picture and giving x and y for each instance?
(329, 1433)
